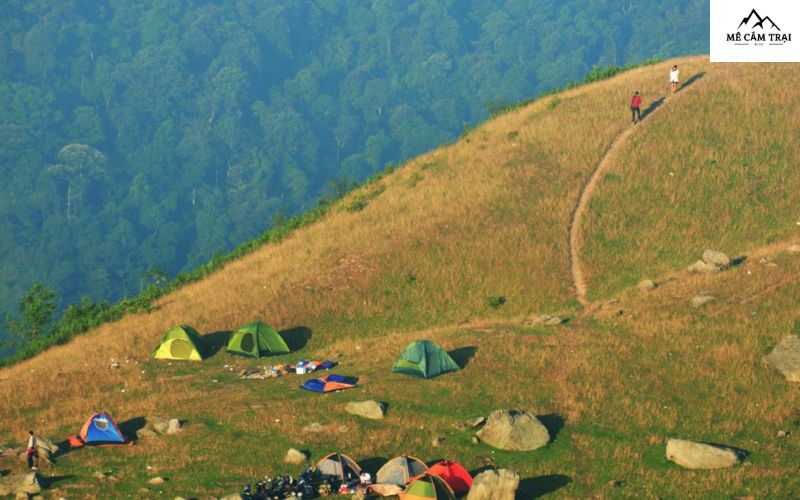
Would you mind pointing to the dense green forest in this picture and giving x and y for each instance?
(138, 138)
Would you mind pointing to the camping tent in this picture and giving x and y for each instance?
(427, 487)
(256, 339)
(454, 475)
(400, 470)
(101, 429)
(332, 382)
(339, 465)
(181, 342)
(424, 359)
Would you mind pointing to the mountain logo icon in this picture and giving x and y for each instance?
(761, 22)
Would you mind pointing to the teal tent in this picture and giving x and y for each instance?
(424, 359)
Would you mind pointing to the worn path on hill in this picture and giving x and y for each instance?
(575, 240)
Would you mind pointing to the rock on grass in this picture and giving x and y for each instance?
(693, 455)
(785, 358)
(494, 485)
(514, 430)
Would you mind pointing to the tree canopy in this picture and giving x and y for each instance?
(153, 133)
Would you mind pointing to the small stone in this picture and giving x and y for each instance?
(477, 422)
(793, 249)
(315, 428)
(145, 433)
(295, 457)
(699, 301)
(99, 475)
(476, 440)
(144, 491)
(646, 285)
(785, 358)
(616, 483)
(782, 434)
(178, 498)
(692, 455)
(717, 258)
(173, 426)
(115, 365)
(157, 481)
(437, 441)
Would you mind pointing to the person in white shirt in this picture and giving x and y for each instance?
(674, 78)
(30, 452)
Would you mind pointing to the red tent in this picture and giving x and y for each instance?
(454, 475)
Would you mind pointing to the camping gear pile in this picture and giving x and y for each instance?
(301, 368)
(403, 476)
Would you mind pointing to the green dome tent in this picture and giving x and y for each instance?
(424, 359)
(181, 342)
(255, 340)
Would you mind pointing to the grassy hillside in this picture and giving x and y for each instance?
(718, 170)
(419, 255)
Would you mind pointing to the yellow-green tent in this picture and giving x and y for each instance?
(181, 342)
(255, 340)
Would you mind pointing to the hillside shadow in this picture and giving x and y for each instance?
(553, 422)
(653, 106)
(131, 426)
(692, 80)
(463, 355)
(536, 487)
(296, 338)
(373, 464)
(216, 341)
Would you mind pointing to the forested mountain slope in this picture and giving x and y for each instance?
(137, 138)
(464, 246)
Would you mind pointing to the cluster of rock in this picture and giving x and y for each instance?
(712, 261)
(20, 485)
(155, 426)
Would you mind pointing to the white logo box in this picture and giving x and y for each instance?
(755, 31)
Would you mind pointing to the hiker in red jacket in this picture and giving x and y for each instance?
(30, 451)
(636, 103)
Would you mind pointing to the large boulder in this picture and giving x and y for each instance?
(785, 358)
(27, 484)
(717, 258)
(494, 485)
(368, 409)
(692, 455)
(45, 447)
(514, 430)
(295, 457)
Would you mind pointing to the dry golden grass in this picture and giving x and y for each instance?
(719, 170)
(488, 217)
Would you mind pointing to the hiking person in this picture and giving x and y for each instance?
(30, 452)
(674, 78)
(636, 111)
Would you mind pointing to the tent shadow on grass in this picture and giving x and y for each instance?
(296, 338)
(536, 487)
(131, 426)
(373, 464)
(463, 355)
(216, 341)
(553, 422)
